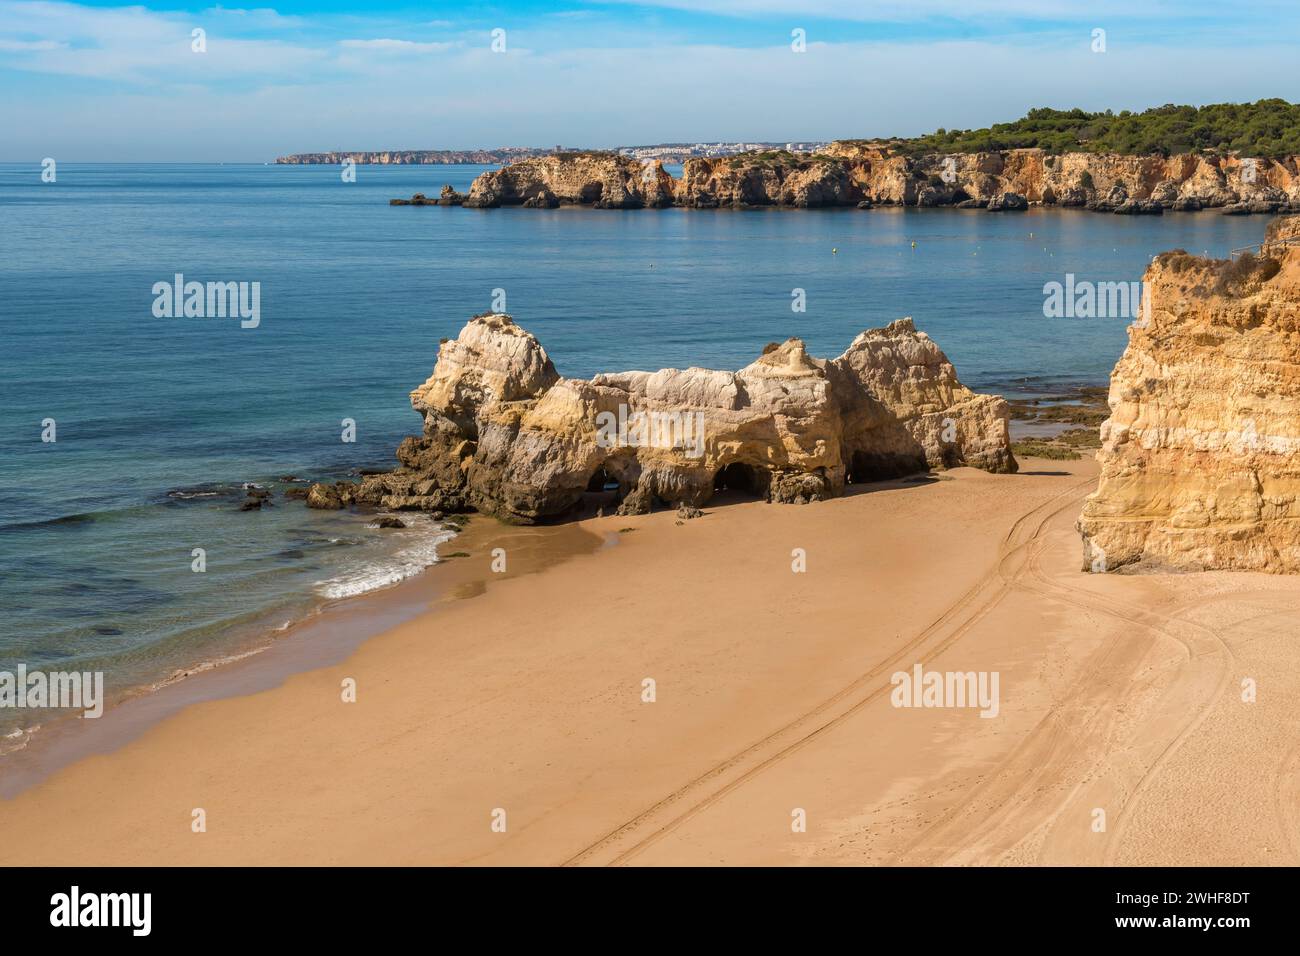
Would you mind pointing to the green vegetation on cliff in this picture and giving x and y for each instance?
(1268, 128)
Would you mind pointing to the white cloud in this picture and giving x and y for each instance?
(29, 46)
(152, 99)
(961, 10)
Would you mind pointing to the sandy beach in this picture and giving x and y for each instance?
(523, 693)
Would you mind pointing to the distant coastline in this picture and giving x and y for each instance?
(414, 157)
(663, 152)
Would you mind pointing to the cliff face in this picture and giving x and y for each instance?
(1200, 459)
(505, 434)
(850, 174)
(751, 181)
(604, 180)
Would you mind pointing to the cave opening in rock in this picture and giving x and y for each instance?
(602, 481)
(960, 195)
(740, 477)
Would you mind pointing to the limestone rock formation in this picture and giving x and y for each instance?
(605, 180)
(866, 174)
(766, 179)
(505, 434)
(1200, 458)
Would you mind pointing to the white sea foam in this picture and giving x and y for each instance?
(420, 541)
(17, 739)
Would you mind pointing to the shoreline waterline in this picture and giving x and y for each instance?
(326, 636)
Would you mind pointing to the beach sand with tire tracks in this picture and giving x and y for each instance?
(523, 693)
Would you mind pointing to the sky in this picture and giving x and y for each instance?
(105, 82)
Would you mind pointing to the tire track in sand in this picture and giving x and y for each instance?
(625, 841)
(1076, 741)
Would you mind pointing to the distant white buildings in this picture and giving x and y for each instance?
(669, 152)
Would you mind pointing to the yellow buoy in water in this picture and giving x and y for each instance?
(913, 243)
(834, 251)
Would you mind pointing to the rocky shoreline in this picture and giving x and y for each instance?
(855, 175)
(505, 434)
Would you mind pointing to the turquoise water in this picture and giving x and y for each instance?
(161, 420)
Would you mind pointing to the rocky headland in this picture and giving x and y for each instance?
(1200, 458)
(505, 434)
(862, 175)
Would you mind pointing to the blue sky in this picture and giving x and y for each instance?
(107, 82)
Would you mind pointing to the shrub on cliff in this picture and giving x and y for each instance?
(1267, 129)
(1248, 270)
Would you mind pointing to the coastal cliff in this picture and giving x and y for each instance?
(1200, 458)
(865, 174)
(505, 434)
(604, 180)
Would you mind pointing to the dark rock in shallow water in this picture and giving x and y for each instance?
(325, 497)
(255, 497)
(1136, 207)
(542, 200)
(1007, 202)
(391, 522)
(296, 493)
(419, 199)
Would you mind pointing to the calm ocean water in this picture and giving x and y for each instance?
(160, 421)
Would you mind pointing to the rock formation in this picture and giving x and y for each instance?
(448, 197)
(1200, 458)
(766, 179)
(506, 434)
(866, 174)
(605, 180)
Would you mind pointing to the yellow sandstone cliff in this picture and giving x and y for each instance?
(863, 174)
(1200, 459)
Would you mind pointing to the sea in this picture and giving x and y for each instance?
(123, 548)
